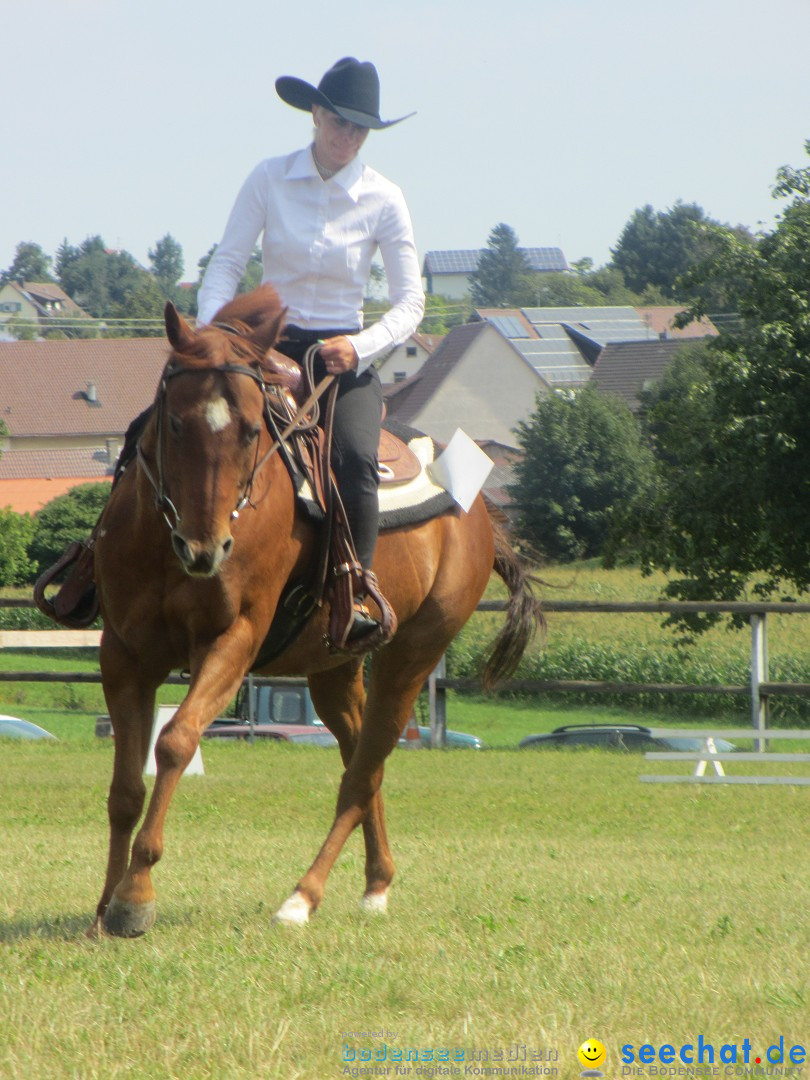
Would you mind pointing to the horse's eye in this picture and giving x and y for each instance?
(252, 434)
(175, 425)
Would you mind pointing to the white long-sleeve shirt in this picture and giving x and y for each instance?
(319, 237)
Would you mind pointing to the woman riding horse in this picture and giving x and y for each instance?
(323, 215)
(199, 540)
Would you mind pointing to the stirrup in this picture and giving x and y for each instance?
(363, 622)
(346, 636)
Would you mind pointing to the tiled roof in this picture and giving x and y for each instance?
(45, 386)
(505, 458)
(429, 342)
(465, 261)
(627, 368)
(89, 462)
(659, 320)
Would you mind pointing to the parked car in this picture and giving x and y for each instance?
(282, 703)
(13, 728)
(456, 740)
(614, 737)
(310, 734)
(277, 703)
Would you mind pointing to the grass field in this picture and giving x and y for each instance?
(540, 900)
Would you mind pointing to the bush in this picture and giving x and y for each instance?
(16, 533)
(64, 519)
(584, 460)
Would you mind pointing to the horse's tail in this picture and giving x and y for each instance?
(524, 616)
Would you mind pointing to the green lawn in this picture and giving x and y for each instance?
(541, 899)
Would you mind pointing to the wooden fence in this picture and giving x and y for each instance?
(758, 689)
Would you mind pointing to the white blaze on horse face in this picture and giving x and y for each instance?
(217, 414)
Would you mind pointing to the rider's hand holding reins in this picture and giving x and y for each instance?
(338, 355)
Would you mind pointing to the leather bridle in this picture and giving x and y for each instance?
(305, 418)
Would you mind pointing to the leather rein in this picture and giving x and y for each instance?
(305, 418)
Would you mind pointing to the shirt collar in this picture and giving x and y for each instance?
(302, 167)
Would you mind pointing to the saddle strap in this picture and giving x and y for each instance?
(328, 493)
(76, 604)
(350, 580)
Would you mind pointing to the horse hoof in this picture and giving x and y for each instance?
(123, 919)
(375, 903)
(294, 911)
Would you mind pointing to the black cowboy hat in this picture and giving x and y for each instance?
(350, 88)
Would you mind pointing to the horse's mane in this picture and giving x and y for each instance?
(257, 319)
(254, 310)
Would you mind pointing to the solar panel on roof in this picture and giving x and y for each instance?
(509, 325)
(465, 261)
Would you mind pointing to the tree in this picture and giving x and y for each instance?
(65, 254)
(658, 248)
(732, 439)
(66, 518)
(678, 419)
(109, 284)
(16, 532)
(143, 301)
(167, 265)
(84, 274)
(584, 458)
(500, 275)
(252, 276)
(592, 289)
(442, 313)
(30, 264)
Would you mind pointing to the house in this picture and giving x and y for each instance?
(45, 303)
(661, 321)
(31, 478)
(448, 272)
(627, 368)
(406, 359)
(502, 476)
(66, 406)
(563, 344)
(477, 380)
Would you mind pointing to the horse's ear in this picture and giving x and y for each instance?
(178, 331)
(267, 333)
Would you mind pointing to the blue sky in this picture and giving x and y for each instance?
(133, 118)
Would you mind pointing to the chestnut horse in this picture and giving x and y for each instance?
(193, 583)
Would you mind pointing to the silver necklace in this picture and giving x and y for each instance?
(323, 172)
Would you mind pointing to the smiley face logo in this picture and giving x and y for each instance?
(592, 1053)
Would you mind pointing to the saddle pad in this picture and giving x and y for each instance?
(402, 502)
(417, 499)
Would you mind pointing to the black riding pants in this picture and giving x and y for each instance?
(355, 439)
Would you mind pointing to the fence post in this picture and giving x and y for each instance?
(759, 675)
(251, 695)
(437, 700)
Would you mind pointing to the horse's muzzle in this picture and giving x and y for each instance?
(198, 558)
